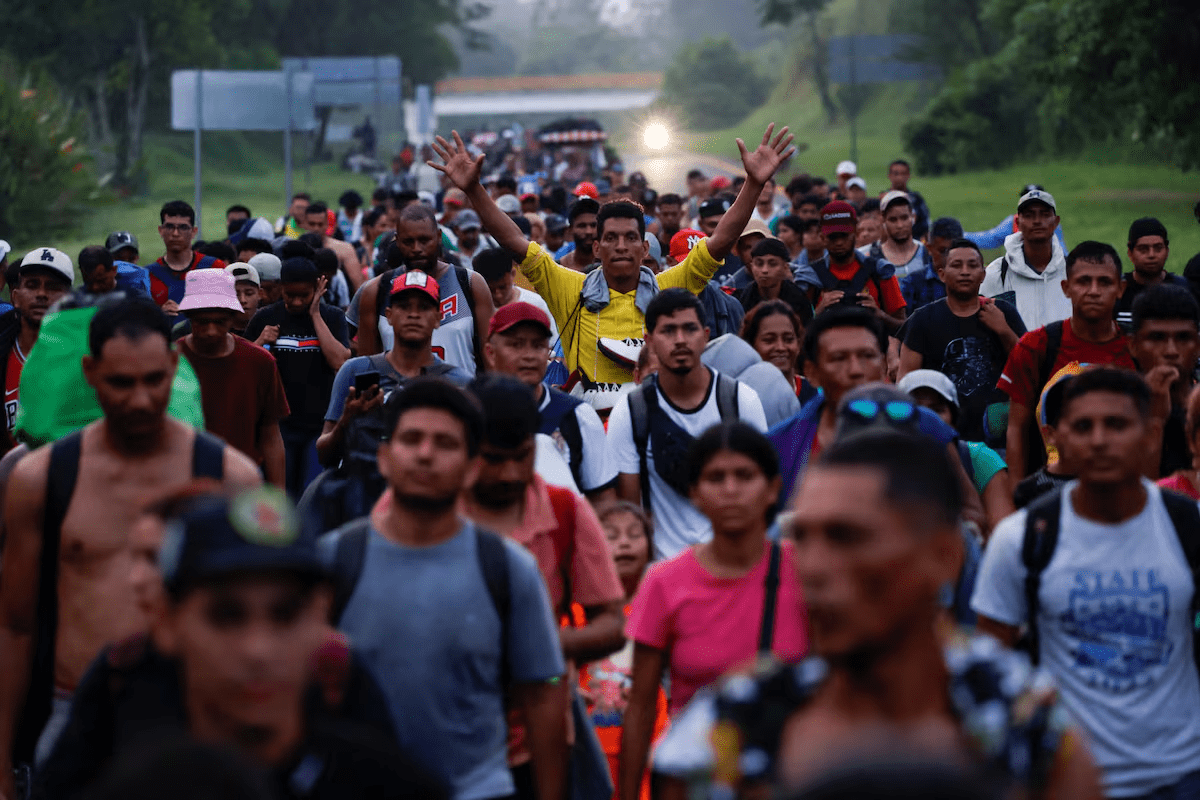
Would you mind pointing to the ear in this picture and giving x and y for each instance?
(1063, 284)
(489, 356)
(89, 370)
(645, 249)
(948, 553)
(776, 485)
(596, 248)
(383, 459)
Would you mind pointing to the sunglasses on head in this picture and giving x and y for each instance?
(894, 410)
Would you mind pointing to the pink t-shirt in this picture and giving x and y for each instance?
(1181, 484)
(710, 625)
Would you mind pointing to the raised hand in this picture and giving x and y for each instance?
(462, 168)
(314, 307)
(766, 159)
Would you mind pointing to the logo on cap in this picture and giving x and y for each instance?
(263, 517)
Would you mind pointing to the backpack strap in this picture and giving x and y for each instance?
(562, 500)
(381, 293)
(1003, 271)
(208, 457)
(350, 552)
(766, 632)
(727, 397)
(639, 419)
(493, 563)
(1185, 516)
(964, 455)
(1054, 337)
(1042, 523)
(824, 275)
(61, 478)
(464, 283)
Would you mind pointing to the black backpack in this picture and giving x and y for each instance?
(208, 456)
(1041, 538)
(868, 271)
(644, 399)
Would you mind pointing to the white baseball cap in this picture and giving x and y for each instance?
(51, 259)
(929, 379)
(857, 181)
(846, 168)
(242, 271)
(893, 196)
(1037, 196)
(268, 266)
(5, 249)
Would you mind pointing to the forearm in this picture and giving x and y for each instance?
(1014, 437)
(636, 732)
(334, 351)
(270, 444)
(496, 222)
(545, 707)
(16, 649)
(331, 444)
(1008, 339)
(720, 244)
(601, 636)
(891, 323)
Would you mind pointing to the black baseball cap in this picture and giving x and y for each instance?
(556, 223)
(257, 530)
(713, 207)
(120, 240)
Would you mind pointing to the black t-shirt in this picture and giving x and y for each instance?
(1176, 454)
(968, 352)
(1032, 487)
(1124, 308)
(306, 375)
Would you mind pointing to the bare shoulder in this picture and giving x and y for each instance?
(240, 471)
(28, 473)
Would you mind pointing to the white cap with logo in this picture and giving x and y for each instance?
(1037, 196)
(51, 259)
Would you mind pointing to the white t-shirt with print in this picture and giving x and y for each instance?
(1115, 629)
(677, 523)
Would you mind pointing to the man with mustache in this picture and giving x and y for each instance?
(651, 428)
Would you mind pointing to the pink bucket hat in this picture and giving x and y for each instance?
(210, 288)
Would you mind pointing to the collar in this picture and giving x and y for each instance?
(595, 292)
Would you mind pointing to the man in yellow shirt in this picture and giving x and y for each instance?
(600, 311)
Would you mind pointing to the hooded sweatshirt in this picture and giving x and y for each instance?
(1039, 298)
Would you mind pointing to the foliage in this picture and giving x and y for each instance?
(783, 12)
(44, 175)
(714, 84)
(1072, 72)
(557, 50)
(950, 33)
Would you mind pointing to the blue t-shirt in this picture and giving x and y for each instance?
(389, 379)
(424, 624)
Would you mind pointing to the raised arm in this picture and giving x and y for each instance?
(760, 166)
(464, 170)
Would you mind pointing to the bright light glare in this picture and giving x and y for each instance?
(656, 136)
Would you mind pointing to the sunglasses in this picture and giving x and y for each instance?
(894, 410)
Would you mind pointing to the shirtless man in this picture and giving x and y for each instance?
(315, 221)
(133, 453)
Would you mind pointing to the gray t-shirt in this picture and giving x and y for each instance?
(1115, 628)
(425, 626)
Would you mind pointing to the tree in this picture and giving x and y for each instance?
(714, 84)
(44, 174)
(783, 12)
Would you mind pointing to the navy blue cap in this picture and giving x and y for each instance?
(556, 223)
(253, 531)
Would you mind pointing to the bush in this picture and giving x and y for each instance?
(713, 84)
(44, 171)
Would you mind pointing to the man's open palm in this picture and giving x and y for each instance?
(768, 156)
(462, 168)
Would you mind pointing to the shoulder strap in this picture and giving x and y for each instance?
(1054, 337)
(1185, 516)
(727, 397)
(766, 632)
(1037, 548)
(464, 283)
(61, 477)
(639, 419)
(568, 426)
(1003, 271)
(349, 555)
(824, 275)
(381, 293)
(208, 457)
(493, 563)
(866, 271)
(964, 455)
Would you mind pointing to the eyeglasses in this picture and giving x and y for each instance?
(895, 410)
(172, 228)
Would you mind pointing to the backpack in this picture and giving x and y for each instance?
(464, 283)
(723, 312)
(644, 399)
(1035, 448)
(208, 455)
(559, 415)
(1042, 525)
(868, 271)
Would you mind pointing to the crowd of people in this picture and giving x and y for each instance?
(593, 491)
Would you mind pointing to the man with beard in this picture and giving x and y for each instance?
(555, 524)
(582, 219)
(68, 511)
(43, 276)
(652, 427)
(964, 336)
(465, 300)
(452, 620)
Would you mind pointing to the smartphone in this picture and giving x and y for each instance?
(364, 381)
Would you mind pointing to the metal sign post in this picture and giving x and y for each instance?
(199, 191)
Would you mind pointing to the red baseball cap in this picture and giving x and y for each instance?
(838, 217)
(415, 280)
(507, 316)
(720, 182)
(682, 243)
(587, 189)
